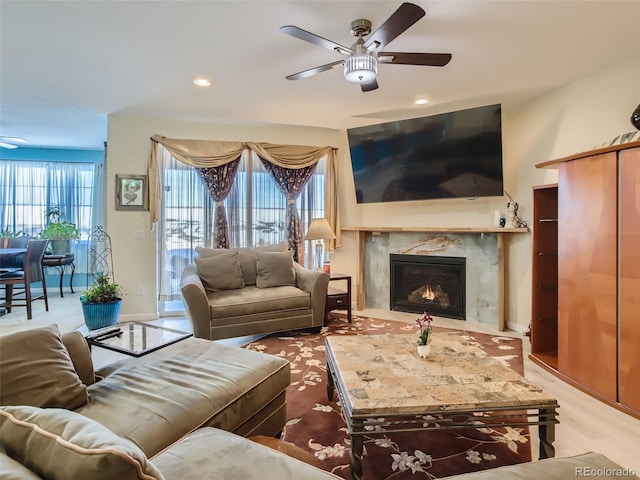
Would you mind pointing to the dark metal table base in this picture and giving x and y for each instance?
(60, 263)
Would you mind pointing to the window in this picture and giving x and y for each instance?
(255, 214)
(29, 189)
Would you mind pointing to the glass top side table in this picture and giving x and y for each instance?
(134, 338)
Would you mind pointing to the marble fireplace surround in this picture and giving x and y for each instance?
(483, 247)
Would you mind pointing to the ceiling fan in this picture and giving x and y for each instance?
(361, 64)
(10, 142)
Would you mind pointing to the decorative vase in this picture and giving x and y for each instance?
(635, 118)
(101, 315)
(423, 350)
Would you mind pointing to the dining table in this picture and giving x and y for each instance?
(13, 251)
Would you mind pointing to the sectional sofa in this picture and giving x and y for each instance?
(180, 412)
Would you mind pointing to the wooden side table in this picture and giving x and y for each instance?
(338, 299)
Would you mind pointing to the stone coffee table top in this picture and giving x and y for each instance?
(383, 375)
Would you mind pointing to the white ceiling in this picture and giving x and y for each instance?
(66, 65)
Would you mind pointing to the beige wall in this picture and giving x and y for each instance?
(574, 118)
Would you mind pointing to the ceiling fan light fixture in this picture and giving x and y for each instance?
(360, 68)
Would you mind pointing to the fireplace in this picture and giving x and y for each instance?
(435, 284)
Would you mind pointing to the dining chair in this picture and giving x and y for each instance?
(32, 272)
(12, 262)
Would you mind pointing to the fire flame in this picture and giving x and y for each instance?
(428, 293)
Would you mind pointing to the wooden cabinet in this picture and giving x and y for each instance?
(587, 270)
(544, 294)
(598, 299)
(630, 278)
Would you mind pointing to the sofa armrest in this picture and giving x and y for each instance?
(196, 302)
(78, 349)
(315, 283)
(589, 464)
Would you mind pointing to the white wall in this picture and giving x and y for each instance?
(574, 118)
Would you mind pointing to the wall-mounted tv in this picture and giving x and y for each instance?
(450, 155)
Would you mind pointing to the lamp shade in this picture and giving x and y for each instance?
(360, 68)
(319, 229)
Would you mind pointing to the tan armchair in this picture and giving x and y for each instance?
(261, 305)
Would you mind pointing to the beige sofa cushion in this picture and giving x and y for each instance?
(252, 300)
(12, 470)
(220, 271)
(177, 389)
(36, 369)
(214, 454)
(275, 269)
(59, 444)
(246, 257)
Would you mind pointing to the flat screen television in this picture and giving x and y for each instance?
(450, 155)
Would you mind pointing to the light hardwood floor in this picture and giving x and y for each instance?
(585, 425)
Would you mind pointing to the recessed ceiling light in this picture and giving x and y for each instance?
(421, 101)
(202, 82)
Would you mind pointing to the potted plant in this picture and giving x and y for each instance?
(424, 341)
(59, 232)
(101, 303)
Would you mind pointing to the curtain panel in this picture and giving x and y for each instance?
(214, 153)
(218, 181)
(290, 182)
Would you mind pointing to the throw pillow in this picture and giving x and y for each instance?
(36, 369)
(220, 271)
(60, 444)
(275, 269)
(246, 257)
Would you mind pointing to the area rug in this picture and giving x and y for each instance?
(317, 425)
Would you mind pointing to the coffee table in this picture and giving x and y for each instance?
(136, 338)
(384, 387)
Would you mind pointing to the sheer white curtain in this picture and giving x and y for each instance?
(255, 215)
(29, 189)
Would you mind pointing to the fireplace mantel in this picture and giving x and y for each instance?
(362, 233)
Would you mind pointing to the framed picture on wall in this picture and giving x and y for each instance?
(131, 192)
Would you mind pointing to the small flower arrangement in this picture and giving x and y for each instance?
(424, 322)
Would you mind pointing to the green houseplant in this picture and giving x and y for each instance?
(59, 232)
(101, 303)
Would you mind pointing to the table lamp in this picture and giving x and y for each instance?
(319, 230)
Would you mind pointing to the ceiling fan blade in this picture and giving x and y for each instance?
(369, 86)
(404, 58)
(400, 20)
(315, 70)
(301, 34)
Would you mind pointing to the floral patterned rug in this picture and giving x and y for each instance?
(317, 425)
